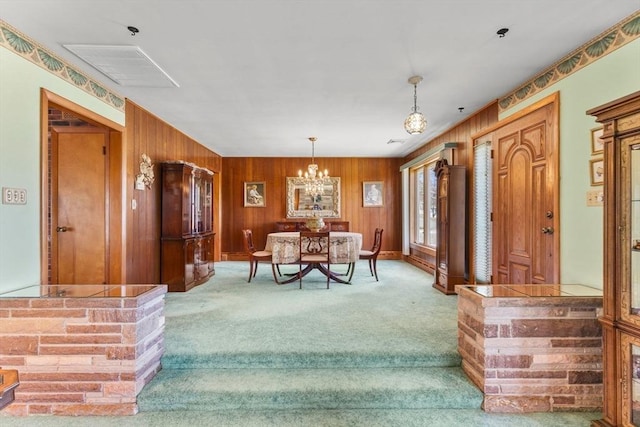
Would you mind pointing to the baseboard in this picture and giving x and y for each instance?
(420, 263)
(234, 256)
(390, 255)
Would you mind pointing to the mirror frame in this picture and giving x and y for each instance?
(296, 183)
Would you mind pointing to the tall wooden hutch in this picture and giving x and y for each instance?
(621, 302)
(187, 249)
(451, 225)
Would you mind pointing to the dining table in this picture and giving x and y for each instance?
(344, 248)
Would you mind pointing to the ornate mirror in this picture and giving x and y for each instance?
(300, 205)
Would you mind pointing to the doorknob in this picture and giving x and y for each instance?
(547, 230)
(62, 229)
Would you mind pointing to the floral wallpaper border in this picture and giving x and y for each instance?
(18, 43)
(605, 43)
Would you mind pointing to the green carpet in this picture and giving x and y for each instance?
(260, 354)
(400, 317)
(344, 388)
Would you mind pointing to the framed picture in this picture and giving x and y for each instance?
(373, 193)
(596, 170)
(597, 146)
(254, 194)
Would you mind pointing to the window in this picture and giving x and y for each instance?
(423, 209)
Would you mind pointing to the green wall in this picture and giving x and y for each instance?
(581, 227)
(20, 83)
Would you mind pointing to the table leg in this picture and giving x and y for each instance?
(352, 267)
(295, 276)
(333, 276)
(349, 271)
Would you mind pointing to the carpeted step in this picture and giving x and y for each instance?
(314, 418)
(343, 388)
(212, 360)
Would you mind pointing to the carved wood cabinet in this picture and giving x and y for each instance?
(621, 303)
(187, 242)
(451, 227)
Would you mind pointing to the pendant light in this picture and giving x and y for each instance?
(415, 123)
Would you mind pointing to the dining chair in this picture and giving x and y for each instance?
(314, 249)
(372, 255)
(255, 256)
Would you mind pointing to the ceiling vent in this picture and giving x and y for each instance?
(125, 65)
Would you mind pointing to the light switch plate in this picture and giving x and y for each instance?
(14, 196)
(595, 198)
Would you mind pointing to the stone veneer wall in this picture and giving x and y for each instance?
(81, 356)
(532, 354)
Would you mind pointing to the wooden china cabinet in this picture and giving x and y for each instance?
(450, 227)
(187, 248)
(621, 303)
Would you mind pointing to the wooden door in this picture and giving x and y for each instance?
(78, 219)
(525, 202)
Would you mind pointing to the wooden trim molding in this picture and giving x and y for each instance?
(115, 202)
(554, 97)
(86, 114)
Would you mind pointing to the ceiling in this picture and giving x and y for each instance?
(258, 77)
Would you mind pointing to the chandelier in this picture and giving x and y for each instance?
(314, 180)
(415, 123)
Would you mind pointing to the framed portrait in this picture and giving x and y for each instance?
(597, 146)
(596, 170)
(254, 194)
(372, 193)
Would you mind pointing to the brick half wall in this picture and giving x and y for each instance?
(81, 356)
(532, 354)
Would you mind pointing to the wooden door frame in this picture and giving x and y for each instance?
(115, 196)
(553, 99)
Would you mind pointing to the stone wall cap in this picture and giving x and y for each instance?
(533, 290)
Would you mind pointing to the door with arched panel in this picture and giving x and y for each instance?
(525, 198)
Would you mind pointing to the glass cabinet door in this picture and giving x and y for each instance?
(443, 219)
(187, 204)
(202, 188)
(198, 203)
(207, 209)
(631, 380)
(632, 148)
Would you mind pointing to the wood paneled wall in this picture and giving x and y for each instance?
(146, 133)
(461, 133)
(273, 171)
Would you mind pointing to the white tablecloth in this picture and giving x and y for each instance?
(285, 246)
